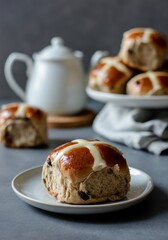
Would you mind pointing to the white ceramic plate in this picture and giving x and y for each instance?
(29, 187)
(129, 101)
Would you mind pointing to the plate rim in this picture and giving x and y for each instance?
(110, 97)
(130, 202)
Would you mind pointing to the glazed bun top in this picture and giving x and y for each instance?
(147, 35)
(78, 158)
(20, 110)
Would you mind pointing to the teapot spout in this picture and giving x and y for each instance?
(97, 56)
(78, 54)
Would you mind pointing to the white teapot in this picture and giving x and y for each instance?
(56, 79)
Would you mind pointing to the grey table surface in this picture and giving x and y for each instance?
(18, 220)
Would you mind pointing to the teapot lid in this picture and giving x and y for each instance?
(57, 50)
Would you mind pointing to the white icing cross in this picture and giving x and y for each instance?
(154, 81)
(113, 62)
(21, 110)
(147, 34)
(99, 163)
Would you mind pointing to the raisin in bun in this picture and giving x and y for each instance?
(149, 83)
(86, 171)
(110, 75)
(143, 49)
(22, 125)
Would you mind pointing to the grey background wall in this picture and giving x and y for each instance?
(87, 25)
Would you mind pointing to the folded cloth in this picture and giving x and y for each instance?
(137, 128)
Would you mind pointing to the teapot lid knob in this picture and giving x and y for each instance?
(57, 50)
(57, 41)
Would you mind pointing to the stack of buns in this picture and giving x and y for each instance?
(139, 67)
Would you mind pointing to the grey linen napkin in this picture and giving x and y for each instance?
(137, 128)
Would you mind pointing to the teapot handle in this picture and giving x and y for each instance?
(13, 57)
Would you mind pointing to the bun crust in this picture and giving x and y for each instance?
(110, 75)
(22, 125)
(149, 83)
(86, 171)
(143, 49)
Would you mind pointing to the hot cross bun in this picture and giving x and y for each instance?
(22, 125)
(143, 49)
(110, 75)
(149, 83)
(86, 171)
